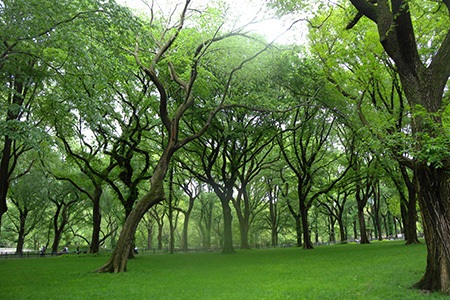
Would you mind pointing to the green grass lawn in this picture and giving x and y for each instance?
(381, 270)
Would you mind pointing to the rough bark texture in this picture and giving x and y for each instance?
(423, 85)
(434, 201)
(119, 258)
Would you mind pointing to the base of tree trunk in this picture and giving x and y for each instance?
(412, 242)
(228, 251)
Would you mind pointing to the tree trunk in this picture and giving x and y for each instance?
(5, 171)
(4, 175)
(298, 230)
(243, 223)
(118, 261)
(170, 215)
(404, 216)
(434, 200)
(227, 227)
(362, 226)
(149, 236)
(412, 219)
(424, 84)
(243, 214)
(409, 212)
(331, 229)
(243, 229)
(305, 226)
(184, 235)
(187, 216)
(342, 229)
(160, 235)
(96, 222)
(57, 229)
(21, 233)
(273, 219)
(205, 223)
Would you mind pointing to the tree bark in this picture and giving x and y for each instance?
(118, 261)
(298, 230)
(342, 230)
(273, 221)
(434, 200)
(149, 236)
(227, 227)
(4, 175)
(205, 223)
(243, 215)
(5, 163)
(305, 225)
(424, 86)
(362, 226)
(332, 232)
(410, 217)
(96, 221)
(361, 199)
(21, 234)
(57, 229)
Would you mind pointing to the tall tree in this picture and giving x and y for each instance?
(193, 190)
(29, 38)
(64, 196)
(305, 147)
(28, 197)
(334, 204)
(424, 78)
(176, 96)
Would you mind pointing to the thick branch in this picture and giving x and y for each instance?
(447, 3)
(440, 65)
(366, 8)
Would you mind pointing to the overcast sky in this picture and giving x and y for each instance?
(244, 9)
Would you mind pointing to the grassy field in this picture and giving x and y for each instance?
(381, 270)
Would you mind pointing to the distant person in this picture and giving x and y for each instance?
(78, 250)
(65, 250)
(42, 251)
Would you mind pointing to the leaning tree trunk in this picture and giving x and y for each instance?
(118, 261)
(434, 200)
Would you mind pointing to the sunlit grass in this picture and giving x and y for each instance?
(382, 270)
